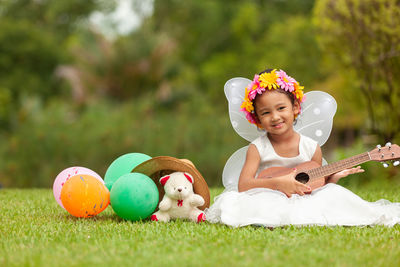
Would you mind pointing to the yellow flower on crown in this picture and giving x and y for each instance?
(268, 80)
(247, 104)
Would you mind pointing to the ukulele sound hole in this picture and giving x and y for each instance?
(302, 177)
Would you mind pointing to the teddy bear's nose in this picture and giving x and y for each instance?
(179, 190)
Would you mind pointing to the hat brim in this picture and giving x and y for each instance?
(157, 167)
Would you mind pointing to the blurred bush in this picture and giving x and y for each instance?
(60, 135)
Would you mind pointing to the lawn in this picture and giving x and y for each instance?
(35, 231)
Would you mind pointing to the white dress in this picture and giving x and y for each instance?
(330, 205)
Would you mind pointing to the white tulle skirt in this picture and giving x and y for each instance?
(329, 205)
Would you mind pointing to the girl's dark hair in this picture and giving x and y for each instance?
(289, 94)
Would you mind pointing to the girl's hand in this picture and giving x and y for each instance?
(289, 185)
(334, 178)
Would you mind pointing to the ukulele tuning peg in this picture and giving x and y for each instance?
(379, 147)
(385, 165)
(388, 144)
(396, 163)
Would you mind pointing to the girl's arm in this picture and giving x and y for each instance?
(317, 157)
(286, 184)
(334, 178)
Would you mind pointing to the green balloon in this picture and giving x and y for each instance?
(134, 196)
(123, 165)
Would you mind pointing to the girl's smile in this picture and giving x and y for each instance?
(278, 126)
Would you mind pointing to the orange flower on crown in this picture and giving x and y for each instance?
(298, 91)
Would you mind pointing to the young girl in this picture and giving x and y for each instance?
(272, 102)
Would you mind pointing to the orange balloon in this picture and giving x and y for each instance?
(84, 196)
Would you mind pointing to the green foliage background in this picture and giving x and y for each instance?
(70, 95)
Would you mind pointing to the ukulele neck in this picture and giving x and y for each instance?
(338, 166)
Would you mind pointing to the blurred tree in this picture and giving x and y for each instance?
(28, 57)
(176, 51)
(34, 36)
(60, 17)
(292, 46)
(216, 40)
(124, 68)
(364, 37)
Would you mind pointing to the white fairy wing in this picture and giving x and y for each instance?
(232, 169)
(234, 92)
(316, 118)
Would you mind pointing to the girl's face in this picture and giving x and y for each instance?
(275, 112)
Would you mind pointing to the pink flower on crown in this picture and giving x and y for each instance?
(252, 95)
(254, 88)
(250, 118)
(260, 90)
(285, 81)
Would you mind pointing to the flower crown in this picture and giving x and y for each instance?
(271, 81)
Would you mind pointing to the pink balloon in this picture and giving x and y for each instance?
(63, 176)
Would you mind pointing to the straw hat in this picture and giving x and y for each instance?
(157, 167)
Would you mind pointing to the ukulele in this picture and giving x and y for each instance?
(313, 175)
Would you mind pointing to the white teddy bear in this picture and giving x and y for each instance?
(179, 200)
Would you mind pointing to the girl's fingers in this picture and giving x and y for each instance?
(300, 192)
(302, 186)
(356, 170)
(346, 172)
(360, 170)
(301, 189)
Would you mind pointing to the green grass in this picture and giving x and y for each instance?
(35, 231)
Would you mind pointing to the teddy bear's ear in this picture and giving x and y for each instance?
(164, 179)
(189, 177)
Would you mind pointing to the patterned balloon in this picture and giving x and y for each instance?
(65, 175)
(84, 196)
